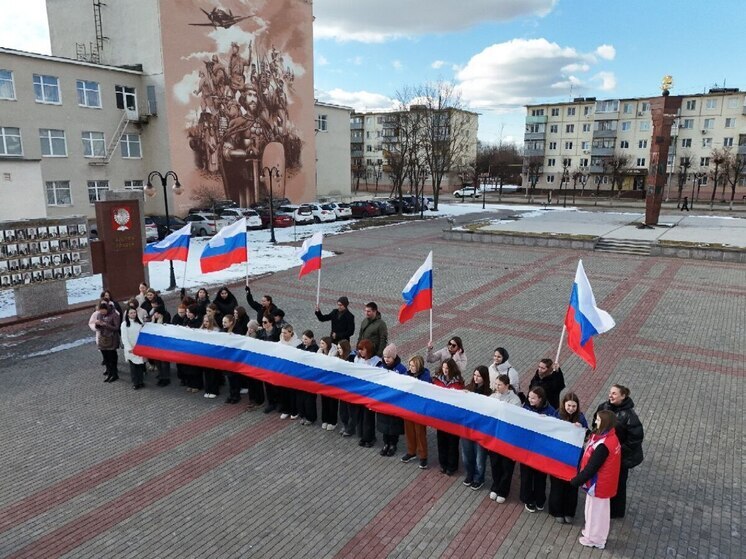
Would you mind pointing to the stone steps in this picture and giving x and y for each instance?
(623, 246)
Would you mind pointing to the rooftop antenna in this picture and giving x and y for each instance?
(571, 86)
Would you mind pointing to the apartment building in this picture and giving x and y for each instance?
(332, 150)
(586, 134)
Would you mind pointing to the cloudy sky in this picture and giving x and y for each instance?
(500, 54)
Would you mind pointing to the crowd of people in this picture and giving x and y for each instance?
(614, 435)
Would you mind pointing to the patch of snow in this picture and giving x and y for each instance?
(62, 347)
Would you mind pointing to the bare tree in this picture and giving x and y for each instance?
(735, 169)
(207, 195)
(600, 178)
(533, 166)
(617, 164)
(503, 165)
(403, 145)
(718, 158)
(685, 164)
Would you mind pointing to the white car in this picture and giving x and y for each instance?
(342, 211)
(467, 192)
(204, 223)
(253, 221)
(322, 213)
(302, 215)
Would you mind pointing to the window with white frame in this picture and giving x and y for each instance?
(570, 111)
(10, 141)
(704, 161)
(626, 125)
(583, 162)
(644, 126)
(550, 178)
(321, 123)
(711, 104)
(95, 189)
(53, 143)
(555, 112)
(553, 128)
(89, 94)
(567, 162)
(733, 102)
(534, 129)
(131, 146)
(671, 159)
(640, 162)
(568, 145)
(585, 145)
(645, 107)
(642, 144)
(552, 145)
(686, 142)
(629, 108)
(707, 142)
(126, 97)
(685, 162)
(688, 124)
(709, 124)
(94, 144)
(608, 106)
(369, 148)
(587, 127)
(728, 142)
(58, 193)
(551, 162)
(730, 122)
(7, 87)
(134, 184)
(691, 104)
(624, 144)
(604, 125)
(569, 128)
(47, 89)
(587, 110)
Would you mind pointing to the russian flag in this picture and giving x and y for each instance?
(173, 247)
(584, 319)
(418, 293)
(310, 255)
(226, 248)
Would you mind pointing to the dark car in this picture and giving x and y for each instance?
(413, 201)
(384, 206)
(364, 209)
(407, 207)
(174, 224)
(276, 203)
(280, 219)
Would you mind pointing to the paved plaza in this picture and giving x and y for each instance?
(94, 470)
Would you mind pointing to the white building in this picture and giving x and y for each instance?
(332, 150)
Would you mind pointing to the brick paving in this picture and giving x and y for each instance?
(98, 470)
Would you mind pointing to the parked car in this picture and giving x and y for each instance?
(467, 192)
(281, 219)
(341, 210)
(407, 207)
(174, 224)
(253, 221)
(321, 213)
(204, 223)
(302, 215)
(385, 207)
(151, 230)
(413, 201)
(363, 208)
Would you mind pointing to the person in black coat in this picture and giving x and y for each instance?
(241, 325)
(152, 299)
(306, 401)
(193, 373)
(630, 434)
(270, 333)
(263, 308)
(343, 321)
(202, 300)
(226, 302)
(549, 377)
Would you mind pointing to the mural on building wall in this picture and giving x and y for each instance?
(239, 76)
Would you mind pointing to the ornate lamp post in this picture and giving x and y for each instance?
(268, 173)
(150, 191)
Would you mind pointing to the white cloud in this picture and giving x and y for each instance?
(438, 64)
(357, 61)
(375, 22)
(520, 71)
(607, 52)
(358, 100)
(321, 60)
(397, 64)
(607, 79)
(25, 26)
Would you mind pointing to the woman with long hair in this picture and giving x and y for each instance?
(347, 411)
(415, 433)
(448, 444)
(307, 400)
(474, 455)
(366, 418)
(130, 330)
(329, 405)
(534, 482)
(502, 467)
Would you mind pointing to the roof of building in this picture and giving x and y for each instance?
(64, 60)
(580, 100)
(332, 105)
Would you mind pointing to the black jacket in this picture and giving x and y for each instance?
(272, 336)
(629, 430)
(343, 324)
(225, 306)
(260, 312)
(553, 384)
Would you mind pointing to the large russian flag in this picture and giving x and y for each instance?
(173, 247)
(310, 255)
(584, 319)
(226, 248)
(544, 443)
(418, 293)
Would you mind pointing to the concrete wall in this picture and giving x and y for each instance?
(21, 190)
(333, 151)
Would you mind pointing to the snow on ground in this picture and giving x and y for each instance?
(264, 257)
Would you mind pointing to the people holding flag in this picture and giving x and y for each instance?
(173, 247)
(226, 248)
(310, 256)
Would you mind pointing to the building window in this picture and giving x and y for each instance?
(629, 108)
(583, 162)
(553, 128)
(321, 123)
(691, 105)
(585, 145)
(7, 88)
(624, 144)
(640, 162)
(587, 126)
(626, 125)
(131, 146)
(568, 145)
(53, 142)
(537, 112)
(569, 128)
(570, 111)
(126, 98)
(58, 193)
(10, 141)
(534, 129)
(368, 148)
(709, 124)
(47, 89)
(610, 106)
(732, 102)
(89, 94)
(730, 122)
(642, 144)
(645, 107)
(550, 178)
(133, 185)
(94, 144)
(685, 162)
(587, 110)
(95, 188)
(555, 112)
(644, 126)
(686, 143)
(711, 104)
(727, 142)
(552, 145)
(551, 162)
(567, 162)
(704, 161)
(687, 124)
(706, 142)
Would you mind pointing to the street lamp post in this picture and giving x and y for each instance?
(377, 170)
(423, 178)
(267, 174)
(150, 191)
(566, 180)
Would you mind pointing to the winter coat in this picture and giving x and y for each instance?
(390, 424)
(443, 382)
(343, 323)
(332, 351)
(227, 305)
(504, 368)
(147, 306)
(107, 333)
(178, 320)
(423, 376)
(202, 304)
(260, 311)
(629, 431)
(376, 331)
(548, 409)
(599, 466)
(293, 342)
(241, 326)
(271, 336)
(509, 397)
(443, 355)
(553, 384)
(314, 348)
(372, 362)
(129, 339)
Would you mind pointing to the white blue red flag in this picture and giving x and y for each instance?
(226, 248)
(418, 293)
(173, 247)
(544, 443)
(584, 319)
(310, 255)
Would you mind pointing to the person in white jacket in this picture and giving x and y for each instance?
(501, 366)
(502, 466)
(130, 330)
(288, 396)
(453, 350)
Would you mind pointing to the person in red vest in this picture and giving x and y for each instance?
(599, 478)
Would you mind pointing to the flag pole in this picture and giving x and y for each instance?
(562, 339)
(318, 287)
(431, 325)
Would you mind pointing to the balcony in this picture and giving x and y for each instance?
(356, 153)
(533, 136)
(356, 125)
(604, 133)
(536, 119)
(601, 152)
(530, 152)
(742, 149)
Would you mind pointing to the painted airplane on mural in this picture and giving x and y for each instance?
(220, 18)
